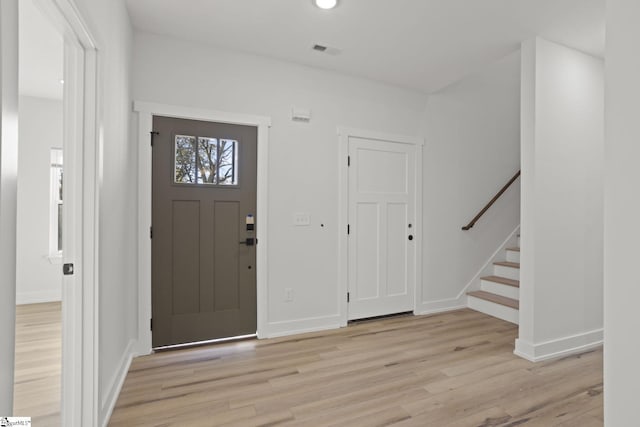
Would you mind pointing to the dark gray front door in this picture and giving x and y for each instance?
(204, 194)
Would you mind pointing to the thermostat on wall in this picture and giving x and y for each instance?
(300, 114)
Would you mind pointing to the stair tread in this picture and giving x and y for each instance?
(498, 299)
(507, 264)
(515, 249)
(502, 280)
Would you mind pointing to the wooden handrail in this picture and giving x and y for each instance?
(486, 208)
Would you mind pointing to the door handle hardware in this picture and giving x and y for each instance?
(249, 241)
(410, 237)
(67, 269)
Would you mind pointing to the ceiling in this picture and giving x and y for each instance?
(418, 44)
(41, 50)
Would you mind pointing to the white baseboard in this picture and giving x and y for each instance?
(302, 326)
(38, 297)
(440, 306)
(115, 385)
(559, 347)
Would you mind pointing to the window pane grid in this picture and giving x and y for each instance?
(205, 161)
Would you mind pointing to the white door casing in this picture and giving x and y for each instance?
(8, 196)
(381, 208)
(79, 381)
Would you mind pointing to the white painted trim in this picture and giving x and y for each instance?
(302, 326)
(419, 229)
(183, 112)
(440, 306)
(344, 133)
(115, 384)
(379, 136)
(146, 111)
(82, 117)
(38, 297)
(8, 195)
(561, 347)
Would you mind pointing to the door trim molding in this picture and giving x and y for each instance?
(82, 123)
(344, 133)
(146, 111)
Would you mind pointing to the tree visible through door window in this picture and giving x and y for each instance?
(205, 160)
(55, 214)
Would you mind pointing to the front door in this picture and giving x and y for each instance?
(381, 227)
(203, 236)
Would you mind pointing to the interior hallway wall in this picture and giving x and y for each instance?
(472, 149)
(117, 282)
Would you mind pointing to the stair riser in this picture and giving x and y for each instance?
(500, 289)
(492, 309)
(513, 256)
(508, 272)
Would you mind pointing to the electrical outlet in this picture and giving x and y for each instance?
(301, 219)
(288, 295)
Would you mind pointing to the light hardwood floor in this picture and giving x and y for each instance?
(38, 363)
(452, 369)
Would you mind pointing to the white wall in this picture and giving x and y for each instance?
(8, 190)
(38, 279)
(622, 210)
(117, 210)
(303, 158)
(562, 203)
(472, 149)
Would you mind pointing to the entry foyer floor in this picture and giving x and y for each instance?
(38, 363)
(451, 369)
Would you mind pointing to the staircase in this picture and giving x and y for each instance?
(499, 293)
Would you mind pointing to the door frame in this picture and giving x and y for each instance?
(344, 134)
(82, 140)
(146, 111)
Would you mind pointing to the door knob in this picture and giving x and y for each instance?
(410, 237)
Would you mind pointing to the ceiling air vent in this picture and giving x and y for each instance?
(326, 49)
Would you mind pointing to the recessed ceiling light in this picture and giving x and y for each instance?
(61, 81)
(326, 4)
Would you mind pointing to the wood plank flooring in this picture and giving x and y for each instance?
(38, 363)
(451, 369)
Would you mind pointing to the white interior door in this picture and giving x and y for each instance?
(381, 238)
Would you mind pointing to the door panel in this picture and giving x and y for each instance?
(185, 283)
(367, 251)
(381, 208)
(397, 219)
(204, 186)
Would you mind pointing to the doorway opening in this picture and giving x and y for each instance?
(57, 227)
(39, 229)
(146, 114)
(203, 231)
(381, 211)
